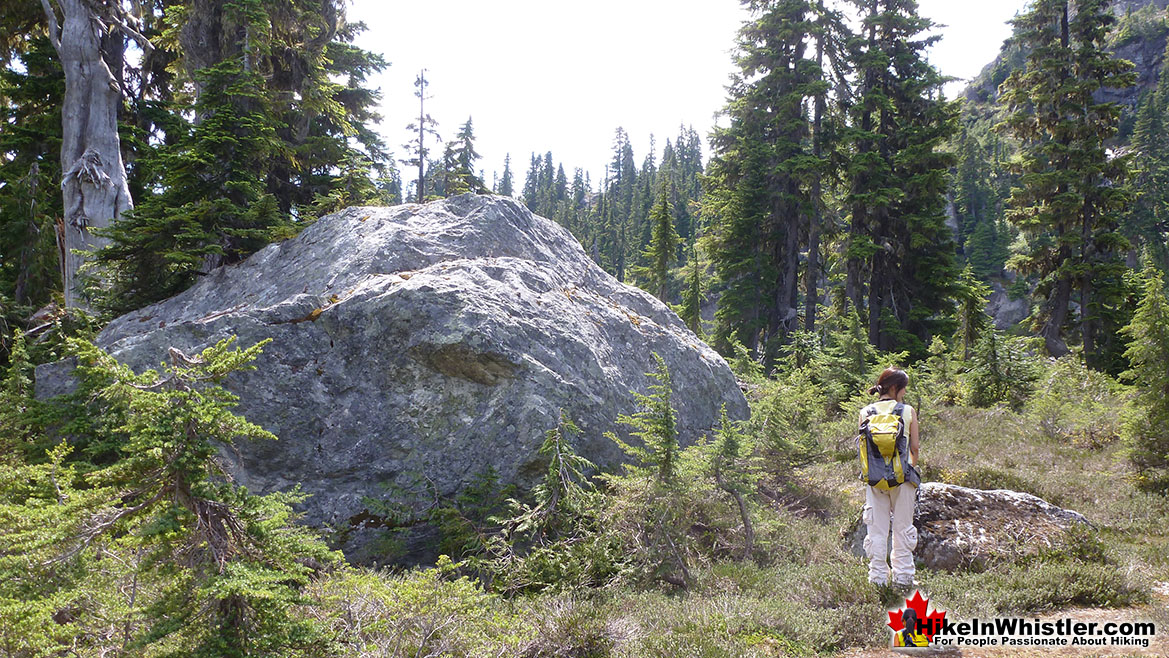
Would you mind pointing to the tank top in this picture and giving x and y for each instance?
(886, 406)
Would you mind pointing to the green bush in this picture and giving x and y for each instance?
(1148, 353)
(786, 418)
(1001, 369)
(419, 612)
(155, 552)
(1075, 403)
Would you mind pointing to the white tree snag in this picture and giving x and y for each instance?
(94, 182)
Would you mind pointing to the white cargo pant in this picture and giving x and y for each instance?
(898, 502)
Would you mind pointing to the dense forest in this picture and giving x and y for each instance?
(843, 216)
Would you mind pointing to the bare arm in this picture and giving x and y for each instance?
(913, 440)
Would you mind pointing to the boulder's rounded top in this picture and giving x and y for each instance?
(340, 251)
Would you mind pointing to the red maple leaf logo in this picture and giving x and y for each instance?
(932, 622)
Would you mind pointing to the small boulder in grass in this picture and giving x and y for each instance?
(959, 528)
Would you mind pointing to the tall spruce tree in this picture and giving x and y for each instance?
(1147, 221)
(661, 252)
(32, 89)
(1070, 191)
(1148, 354)
(505, 181)
(462, 178)
(759, 192)
(694, 291)
(899, 179)
(275, 129)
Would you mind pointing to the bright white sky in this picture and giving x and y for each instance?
(552, 75)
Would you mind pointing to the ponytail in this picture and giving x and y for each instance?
(891, 380)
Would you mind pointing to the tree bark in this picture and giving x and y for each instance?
(94, 183)
(1056, 314)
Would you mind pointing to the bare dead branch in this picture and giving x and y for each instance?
(54, 26)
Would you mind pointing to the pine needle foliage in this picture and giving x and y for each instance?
(1148, 352)
(160, 541)
(655, 425)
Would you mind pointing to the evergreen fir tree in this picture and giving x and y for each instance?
(898, 178)
(216, 571)
(655, 425)
(972, 319)
(758, 177)
(1070, 194)
(215, 207)
(462, 178)
(661, 252)
(694, 291)
(1148, 354)
(1147, 221)
(505, 181)
(32, 89)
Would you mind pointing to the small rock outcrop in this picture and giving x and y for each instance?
(1006, 312)
(963, 528)
(424, 341)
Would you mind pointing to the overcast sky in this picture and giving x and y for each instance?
(548, 75)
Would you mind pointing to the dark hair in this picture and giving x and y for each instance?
(891, 380)
(908, 614)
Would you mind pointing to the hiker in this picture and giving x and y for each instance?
(887, 446)
(909, 635)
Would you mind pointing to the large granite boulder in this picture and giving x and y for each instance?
(963, 528)
(424, 342)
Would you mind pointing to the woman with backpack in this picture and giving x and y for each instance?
(887, 446)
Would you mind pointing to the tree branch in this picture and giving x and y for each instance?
(54, 27)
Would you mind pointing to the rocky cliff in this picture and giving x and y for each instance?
(424, 341)
(1140, 36)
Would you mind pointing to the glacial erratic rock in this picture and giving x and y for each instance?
(428, 341)
(964, 528)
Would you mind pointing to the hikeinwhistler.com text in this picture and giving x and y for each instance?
(1066, 632)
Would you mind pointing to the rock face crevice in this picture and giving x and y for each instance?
(429, 341)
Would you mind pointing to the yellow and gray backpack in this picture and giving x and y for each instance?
(883, 445)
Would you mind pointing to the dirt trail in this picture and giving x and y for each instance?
(1156, 611)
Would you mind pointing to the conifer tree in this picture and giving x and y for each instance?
(1148, 354)
(32, 89)
(214, 570)
(759, 187)
(462, 178)
(1147, 221)
(1070, 192)
(732, 476)
(655, 425)
(694, 291)
(661, 252)
(424, 126)
(215, 207)
(972, 319)
(505, 181)
(276, 129)
(898, 180)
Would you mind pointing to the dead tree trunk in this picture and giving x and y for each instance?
(94, 176)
